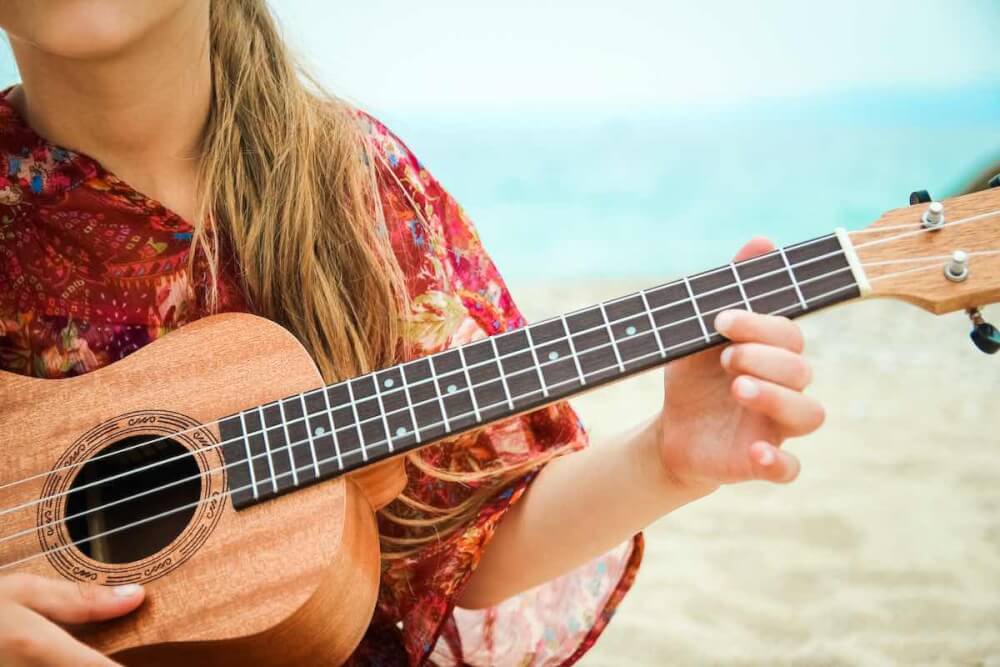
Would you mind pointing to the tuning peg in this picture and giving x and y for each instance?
(920, 197)
(994, 182)
(984, 335)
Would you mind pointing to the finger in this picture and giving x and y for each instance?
(767, 362)
(773, 464)
(793, 413)
(69, 602)
(29, 639)
(755, 246)
(740, 326)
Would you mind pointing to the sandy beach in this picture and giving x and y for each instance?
(886, 550)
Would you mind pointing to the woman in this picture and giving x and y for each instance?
(163, 160)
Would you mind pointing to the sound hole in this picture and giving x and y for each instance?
(112, 521)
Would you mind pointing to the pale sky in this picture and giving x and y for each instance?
(626, 54)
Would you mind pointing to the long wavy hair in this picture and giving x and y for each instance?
(290, 185)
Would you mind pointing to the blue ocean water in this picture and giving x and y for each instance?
(563, 197)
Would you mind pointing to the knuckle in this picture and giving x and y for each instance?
(737, 357)
(805, 373)
(796, 340)
(19, 585)
(16, 642)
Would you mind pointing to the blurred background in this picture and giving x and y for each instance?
(601, 147)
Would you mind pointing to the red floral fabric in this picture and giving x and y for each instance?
(91, 270)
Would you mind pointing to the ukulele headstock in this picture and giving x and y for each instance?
(941, 256)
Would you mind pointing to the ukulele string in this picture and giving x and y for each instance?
(925, 230)
(773, 253)
(304, 418)
(339, 456)
(727, 268)
(937, 258)
(712, 272)
(609, 324)
(294, 470)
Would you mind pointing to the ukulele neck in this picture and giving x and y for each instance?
(302, 439)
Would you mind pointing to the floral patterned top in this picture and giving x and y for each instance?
(91, 270)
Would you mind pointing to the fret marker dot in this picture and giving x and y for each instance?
(452, 389)
(630, 331)
(320, 430)
(400, 432)
(388, 383)
(553, 355)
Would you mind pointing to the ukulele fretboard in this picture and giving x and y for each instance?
(333, 430)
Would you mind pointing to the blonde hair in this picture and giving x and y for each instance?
(289, 186)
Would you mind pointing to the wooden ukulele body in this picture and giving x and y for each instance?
(289, 581)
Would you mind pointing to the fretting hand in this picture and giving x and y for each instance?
(726, 411)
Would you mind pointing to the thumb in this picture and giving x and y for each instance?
(755, 246)
(70, 602)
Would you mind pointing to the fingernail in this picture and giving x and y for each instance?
(766, 456)
(724, 320)
(746, 388)
(126, 591)
(727, 356)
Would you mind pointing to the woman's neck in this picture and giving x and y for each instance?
(141, 112)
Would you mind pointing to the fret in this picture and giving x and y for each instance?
(573, 350)
(591, 338)
(631, 329)
(538, 367)
(236, 454)
(246, 445)
(374, 426)
(795, 284)
(320, 425)
(357, 422)
(440, 396)
(715, 292)
(288, 444)
(428, 407)
(309, 435)
(409, 407)
(520, 368)
(561, 373)
(503, 378)
(485, 379)
(397, 408)
(821, 270)
(697, 312)
(347, 430)
(272, 458)
(652, 324)
(468, 383)
(263, 469)
(453, 387)
(299, 439)
(767, 284)
(739, 283)
(677, 323)
(385, 418)
(607, 325)
(277, 446)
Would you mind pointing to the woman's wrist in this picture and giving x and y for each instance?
(656, 473)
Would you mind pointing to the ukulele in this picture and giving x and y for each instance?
(199, 476)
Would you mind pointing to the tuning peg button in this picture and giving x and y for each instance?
(933, 217)
(920, 197)
(986, 337)
(994, 182)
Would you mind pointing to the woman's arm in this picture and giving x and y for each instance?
(581, 506)
(725, 413)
